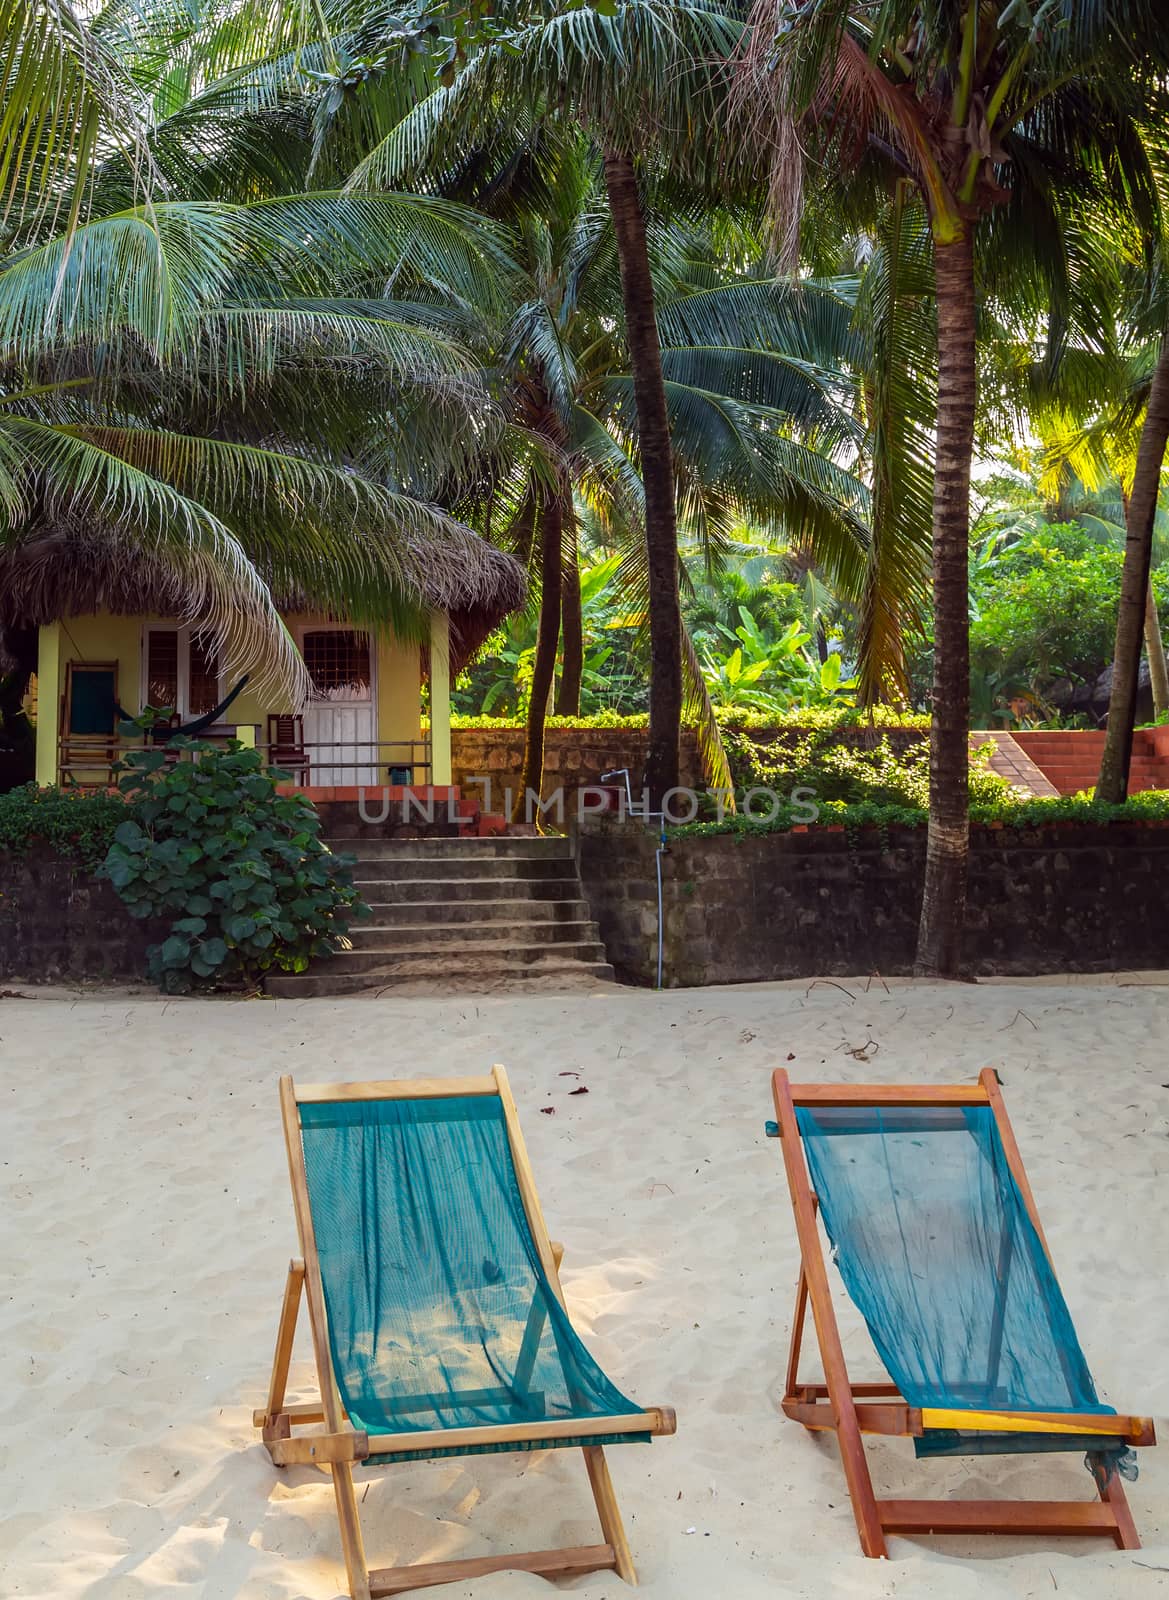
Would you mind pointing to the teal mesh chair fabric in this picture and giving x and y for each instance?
(440, 1315)
(936, 1248)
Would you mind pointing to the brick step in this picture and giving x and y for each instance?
(393, 939)
(398, 890)
(439, 975)
(1137, 785)
(1144, 769)
(1150, 769)
(495, 848)
(514, 910)
(1070, 738)
(1040, 748)
(434, 956)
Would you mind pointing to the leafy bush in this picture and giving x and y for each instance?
(598, 719)
(1011, 809)
(77, 825)
(243, 867)
(824, 716)
(827, 716)
(835, 770)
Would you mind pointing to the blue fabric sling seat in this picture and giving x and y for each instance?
(939, 1253)
(440, 1313)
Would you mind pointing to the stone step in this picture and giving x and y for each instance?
(438, 975)
(392, 938)
(433, 953)
(514, 910)
(461, 914)
(495, 848)
(493, 869)
(385, 891)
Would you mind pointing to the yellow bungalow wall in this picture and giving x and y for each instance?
(104, 637)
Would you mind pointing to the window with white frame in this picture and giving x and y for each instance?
(180, 671)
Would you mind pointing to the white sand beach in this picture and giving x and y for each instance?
(147, 1227)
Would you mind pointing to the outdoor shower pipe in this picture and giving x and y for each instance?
(621, 772)
(662, 849)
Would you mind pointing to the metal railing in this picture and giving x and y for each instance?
(87, 762)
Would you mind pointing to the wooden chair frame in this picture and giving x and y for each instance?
(341, 1445)
(851, 1410)
(86, 752)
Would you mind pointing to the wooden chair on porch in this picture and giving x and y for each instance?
(87, 742)
(286, 747)
(437, 1317)
(934, 1228)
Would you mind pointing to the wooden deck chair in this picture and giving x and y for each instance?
(437, 1318)
(934, 1228)
(88, 727)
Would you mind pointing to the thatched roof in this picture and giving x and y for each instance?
(75, 572)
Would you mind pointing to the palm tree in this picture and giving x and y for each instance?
(1112, 784)
(758, 400)
(1089, 467)
(184, 382)
(631, 75)
(991, 115)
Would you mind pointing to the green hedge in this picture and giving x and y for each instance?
(601, 719)
(1011, 812)
(77, 825)
(800, 717)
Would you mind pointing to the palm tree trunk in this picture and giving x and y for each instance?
(571, 620)
(657, 474)
(1155, 651)
(943, 907)
(544, 666)
(1112, 784)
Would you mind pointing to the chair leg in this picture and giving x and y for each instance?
(608, 1511)
(1126, 1535)
(275, 1427)
(352, 1546)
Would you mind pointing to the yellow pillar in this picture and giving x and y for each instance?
(49, 688)
(440, 697)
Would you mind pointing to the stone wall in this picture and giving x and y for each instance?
(748, 907)
(58, 922)
(574, 758)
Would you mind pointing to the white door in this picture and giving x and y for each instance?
(340, 725)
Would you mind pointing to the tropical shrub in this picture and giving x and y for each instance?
(240, 868)
(1009, 810)
(499, 681)
(835, 714)
(78, 825)
(1042, 618)
(837, 770)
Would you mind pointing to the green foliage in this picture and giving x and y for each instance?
(1010, 810)
(834, 715)
(1043, 605)
(769, 674)
(848, 772)
(240, 868)
(596, 719)
(612, 677)
(78, 825)
(1046, 610)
